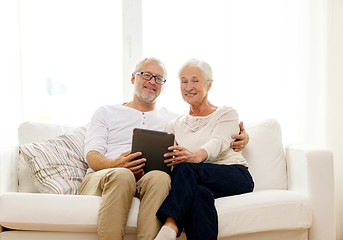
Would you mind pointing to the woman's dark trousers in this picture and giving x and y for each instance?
(191, 200)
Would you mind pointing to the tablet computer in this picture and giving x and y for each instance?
(153, 145)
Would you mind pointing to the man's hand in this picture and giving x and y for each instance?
(241, 140)
(125, 160)
(97, 161)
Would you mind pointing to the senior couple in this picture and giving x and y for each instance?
(207, 160)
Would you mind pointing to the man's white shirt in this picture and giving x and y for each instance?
(111, 127)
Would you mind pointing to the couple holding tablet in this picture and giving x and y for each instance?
(204, 165)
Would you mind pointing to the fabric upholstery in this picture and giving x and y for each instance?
(29, 132)
(266, 210)
(57, 164)
(265, 155)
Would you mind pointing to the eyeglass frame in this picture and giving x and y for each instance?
(152, 76)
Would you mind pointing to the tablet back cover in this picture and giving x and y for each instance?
(153, 145)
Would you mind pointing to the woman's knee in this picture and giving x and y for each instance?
(184, 168)
(202, 192)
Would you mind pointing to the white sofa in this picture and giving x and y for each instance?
(293, 196)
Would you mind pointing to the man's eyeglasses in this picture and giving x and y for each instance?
(148, 76)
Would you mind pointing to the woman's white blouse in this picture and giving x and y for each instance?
(212, 133)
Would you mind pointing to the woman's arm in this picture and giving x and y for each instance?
(224, 127)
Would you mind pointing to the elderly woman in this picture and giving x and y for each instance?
(205, 167)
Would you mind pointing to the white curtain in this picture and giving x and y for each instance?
(334, 102)
(10, 85)
(257, 49)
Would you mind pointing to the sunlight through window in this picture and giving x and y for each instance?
(71, 58)
(252, 46)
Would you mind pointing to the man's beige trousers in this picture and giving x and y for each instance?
(117, 187)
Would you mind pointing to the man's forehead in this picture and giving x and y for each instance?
(152, 66)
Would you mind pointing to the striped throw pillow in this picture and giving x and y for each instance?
(58, 165)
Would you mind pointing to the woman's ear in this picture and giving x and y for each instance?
(209, 85)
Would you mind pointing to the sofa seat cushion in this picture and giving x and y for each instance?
(265, 210)
(55, 212)
(247, 213)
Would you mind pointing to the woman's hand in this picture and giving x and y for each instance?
(181, 154)
(241, 140)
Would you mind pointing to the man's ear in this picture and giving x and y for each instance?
(133, 78)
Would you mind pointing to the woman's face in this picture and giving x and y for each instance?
(193, 85)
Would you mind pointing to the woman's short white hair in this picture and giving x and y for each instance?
(140, 64)
(202, 65)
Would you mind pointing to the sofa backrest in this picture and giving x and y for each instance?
(29, 132)
(264, 153)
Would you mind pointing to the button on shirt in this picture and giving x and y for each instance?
(111, 127)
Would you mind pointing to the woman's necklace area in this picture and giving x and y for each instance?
(205, 113)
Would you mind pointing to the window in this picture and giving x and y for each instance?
(76, 55)
(71, 58)
(252, 46)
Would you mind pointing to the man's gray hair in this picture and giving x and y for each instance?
(140, 64)
(202, 65)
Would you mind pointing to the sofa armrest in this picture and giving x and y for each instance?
(310, 171)
(8, 169)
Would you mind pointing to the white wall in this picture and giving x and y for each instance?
(334, 104)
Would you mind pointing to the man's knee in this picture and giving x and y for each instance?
(120, 177)
(157, 179)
